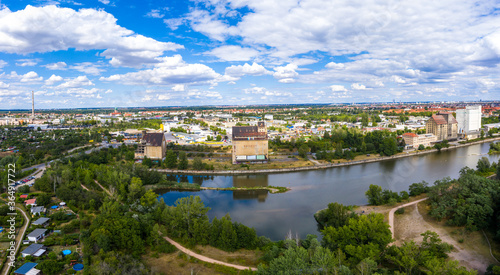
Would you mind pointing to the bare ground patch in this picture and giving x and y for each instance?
(240, 257)
(178, 263)
(470, 248)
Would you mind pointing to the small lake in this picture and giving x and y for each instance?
(273, 215)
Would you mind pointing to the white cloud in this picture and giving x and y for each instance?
(108, 91)
(204, 94)
(27, 62)
(246, 69)
(88, 68)
(31, 77)
(105, 2)
(266, 93)
(50, 28)
(357, 86)
(56, 66)
(208, 24)
(4, 85)
(233, 53)
(286, 74)
(53, 79)
(179, 88)
(171, 70)
(397, 79)
(76, 82)
(338, 88)
(3, 63)
(156, 13)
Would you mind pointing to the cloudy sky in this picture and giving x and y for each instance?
(117, 53)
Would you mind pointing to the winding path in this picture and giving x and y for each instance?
(19, 239)
(206, 259)
(391, 213)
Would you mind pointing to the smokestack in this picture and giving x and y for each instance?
(32, 105)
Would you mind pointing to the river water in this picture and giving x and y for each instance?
(274, 215)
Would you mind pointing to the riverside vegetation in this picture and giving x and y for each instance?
(124, 222)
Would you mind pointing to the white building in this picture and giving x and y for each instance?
(469, 119)
(268, 117)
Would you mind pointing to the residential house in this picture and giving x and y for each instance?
(31, 202)
(37, 235)
(35, 250)
(38, 210)
(27, 269)
(42, 221)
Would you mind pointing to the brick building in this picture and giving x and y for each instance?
(443, 125)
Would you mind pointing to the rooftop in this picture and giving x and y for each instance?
(32, 249)
(41, 221)
(37, 232)
(25, 268)
(153, 139)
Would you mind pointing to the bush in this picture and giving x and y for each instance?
(400, 211)
(421, 147)
(418, 188)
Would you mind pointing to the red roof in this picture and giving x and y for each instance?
(439, 119)
(410, 135)
(31, 201)
(24, 196)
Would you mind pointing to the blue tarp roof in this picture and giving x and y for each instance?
(25, 268)
(78, 267)
(54, 206)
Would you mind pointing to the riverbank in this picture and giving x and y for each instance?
(194, 187)
(319, 166)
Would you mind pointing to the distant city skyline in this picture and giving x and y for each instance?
(194, 53)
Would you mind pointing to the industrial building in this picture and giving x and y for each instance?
(152, 145)
(250, 144)
(469, 121)
(443, 126)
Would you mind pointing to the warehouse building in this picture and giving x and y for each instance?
(250, 144)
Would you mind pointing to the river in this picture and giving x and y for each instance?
(274, 215)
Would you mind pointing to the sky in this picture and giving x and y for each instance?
(119, 53)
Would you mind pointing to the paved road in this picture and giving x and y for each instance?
(391, 213)
(19, 238)
(206, 259)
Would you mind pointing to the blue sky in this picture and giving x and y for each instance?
(115, 53)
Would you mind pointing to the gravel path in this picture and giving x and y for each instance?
(206, 259)
(391, 213)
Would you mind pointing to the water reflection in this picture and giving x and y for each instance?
(273, 215)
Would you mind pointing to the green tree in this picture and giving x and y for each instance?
(149, 199)
(389, 146)
(374, 195)
(147, 162)
(303, 150)
(171, 160)
(483, 165)
(363, 237)
(183, 161)
(198, 164)
(335, 215)
(135, 188)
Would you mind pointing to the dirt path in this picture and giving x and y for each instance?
(19, 239)
(83, 186)
(411, 224)
(391, 213)
(206, 259)
(105, 190)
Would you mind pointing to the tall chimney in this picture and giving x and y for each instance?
(32, 105)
